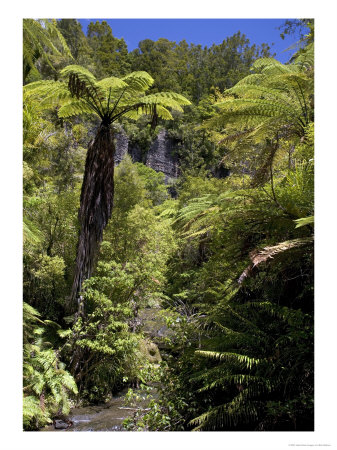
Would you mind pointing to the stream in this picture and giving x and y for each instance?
(110, 416)
(105, 417)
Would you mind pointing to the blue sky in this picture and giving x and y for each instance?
(200, 31)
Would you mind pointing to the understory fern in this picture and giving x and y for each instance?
(46, 383)
(252, 383)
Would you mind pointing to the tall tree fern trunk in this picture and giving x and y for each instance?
(95, 205)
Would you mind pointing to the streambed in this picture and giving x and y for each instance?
(110, 416)
(105, 417)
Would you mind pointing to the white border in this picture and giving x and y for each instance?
(325, 15)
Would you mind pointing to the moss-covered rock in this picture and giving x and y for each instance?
(150, 351)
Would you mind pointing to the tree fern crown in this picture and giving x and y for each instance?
(80, 92)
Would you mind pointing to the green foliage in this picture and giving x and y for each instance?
(128, 277)
(154, 183)
(49, 248)
(154, 415)
(227, 265)
(193, 69)
(50, 271)
(104, 332)
(110, 55)
(272, 105)
(72, 32)
(109, 98)
(304, 221)
(286, 347)
(134, 233)
(33, 416)
(41, 39)
(46, 384)
(249, 365)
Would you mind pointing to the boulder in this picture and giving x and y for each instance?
(150, 350)
(61, 424)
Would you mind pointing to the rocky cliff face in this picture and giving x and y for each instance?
(122, 146)
(160, 155)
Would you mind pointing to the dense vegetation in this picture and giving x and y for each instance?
(227, 261)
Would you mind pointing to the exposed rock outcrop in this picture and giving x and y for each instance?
(136, 153)
(160, 155)
(154, 326)
(122, 146)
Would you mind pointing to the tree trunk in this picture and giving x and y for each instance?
(95, 206)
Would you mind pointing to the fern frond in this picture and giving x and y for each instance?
(68, 381)
(303, 221)
(167, 99)
(256, 107)
(252, 79)
(82, 73)
(30, 313)
(135, 114)
(112, 83)
(195, 207)
(305, 57)
(227, 415)
(163, 112)
(288, 315)
(34, 32)
(39, 37)
(138, 81)
(32, 412)
(48, 93)
(109, 98)
(73, 108)
(55, 32)
(269, 252)
(257, 384)
(242, 360)
(270, 66)
(261, 92)
(260, 256)
(31, 234)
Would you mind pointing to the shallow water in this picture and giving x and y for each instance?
(106, 417)
(110, 416)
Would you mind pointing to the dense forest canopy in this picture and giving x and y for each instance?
(194, 291)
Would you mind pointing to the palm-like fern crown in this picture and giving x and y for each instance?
(276, 97)
(109, 98)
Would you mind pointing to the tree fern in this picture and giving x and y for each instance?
(109, 99)
(272, 104)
